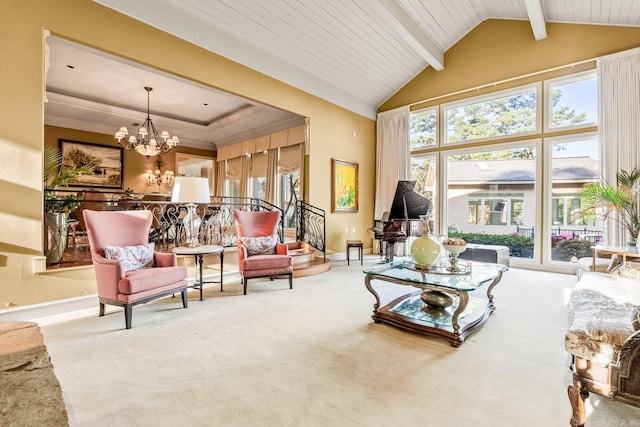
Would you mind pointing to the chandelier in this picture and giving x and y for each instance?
(157, 177)
(147, 142)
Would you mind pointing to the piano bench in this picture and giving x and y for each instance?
(355, 244)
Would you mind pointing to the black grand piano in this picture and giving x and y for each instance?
(403, 219)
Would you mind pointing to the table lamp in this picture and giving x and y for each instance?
(191, 190)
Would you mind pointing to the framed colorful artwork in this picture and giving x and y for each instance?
(105, 161)
(344, 186)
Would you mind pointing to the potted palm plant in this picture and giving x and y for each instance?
(621, 199)
(57, 208)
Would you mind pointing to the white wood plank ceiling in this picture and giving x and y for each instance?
(355, 53)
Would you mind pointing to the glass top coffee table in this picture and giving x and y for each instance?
(443, 306)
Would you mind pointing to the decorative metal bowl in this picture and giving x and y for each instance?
(436, 299)
(455, 249)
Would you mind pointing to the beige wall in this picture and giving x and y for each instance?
(332, 129)
(498, 50)
(135, 166)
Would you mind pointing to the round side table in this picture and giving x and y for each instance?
(198, 253)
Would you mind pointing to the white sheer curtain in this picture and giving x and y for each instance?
(619, 122)
(221, 177)
(392, 155)
(272, 175)
(244, 176)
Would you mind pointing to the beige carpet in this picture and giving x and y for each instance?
(311, 356)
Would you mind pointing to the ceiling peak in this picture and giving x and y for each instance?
(413, 35)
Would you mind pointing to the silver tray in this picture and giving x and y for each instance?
(445, 269)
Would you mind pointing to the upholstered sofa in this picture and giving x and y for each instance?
(603, 338)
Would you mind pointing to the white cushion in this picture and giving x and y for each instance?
(585, 263)
(600, 310)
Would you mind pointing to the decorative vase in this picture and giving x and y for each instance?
(425, 250)
(55, 236)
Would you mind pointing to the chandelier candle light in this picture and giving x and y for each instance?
(191, 190)
(157, 177)
(148, 142)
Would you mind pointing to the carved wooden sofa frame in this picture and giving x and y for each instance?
(605, 351)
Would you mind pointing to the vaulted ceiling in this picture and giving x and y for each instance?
(354, 53)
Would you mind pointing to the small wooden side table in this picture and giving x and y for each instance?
(199, 252)
(354, 244)
(623, 251)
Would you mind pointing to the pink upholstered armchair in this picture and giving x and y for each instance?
(260, 254)
(128, 270)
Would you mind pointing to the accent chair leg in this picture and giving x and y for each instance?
(577, 397)
(244, 282)
(128, 312)
(101, 309)
(290, 280)
(185, 300)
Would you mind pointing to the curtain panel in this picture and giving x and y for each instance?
(392, 155)
(221, 176)
(245, 169)
(234, 168)
(272, 174)
(291, 160)
(618, 127)
(259, 165)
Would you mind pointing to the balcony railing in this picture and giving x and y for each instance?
(217, 226)
(557, 234)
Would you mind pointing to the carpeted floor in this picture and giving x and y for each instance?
(311, 356)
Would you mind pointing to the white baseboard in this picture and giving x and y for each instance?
(53, 311)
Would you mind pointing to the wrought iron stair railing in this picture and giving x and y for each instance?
(311, 226)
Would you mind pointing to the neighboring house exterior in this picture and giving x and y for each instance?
(498, 196)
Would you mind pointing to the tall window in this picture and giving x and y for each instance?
(423, 129)
(288, 194)
(258, 187)
(492, 194)
(512, 112)
(572, 101)
(424, 171)
(492, 189)
(232, 187)
(574, 163)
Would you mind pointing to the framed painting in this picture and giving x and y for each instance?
(344, 186)
(105, 161)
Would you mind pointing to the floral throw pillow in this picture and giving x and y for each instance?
(260, 245)
(131, 257)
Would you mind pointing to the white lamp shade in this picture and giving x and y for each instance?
(189, 189)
